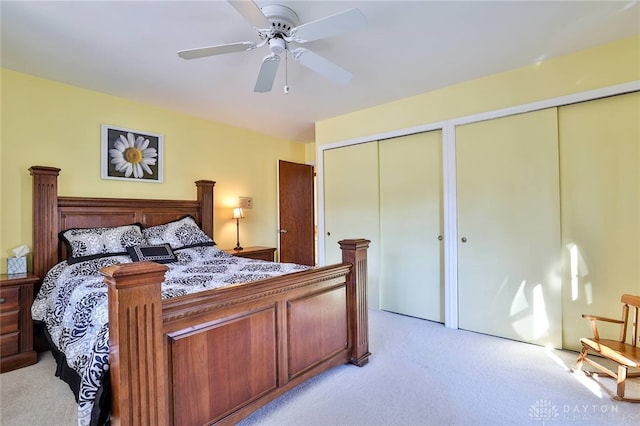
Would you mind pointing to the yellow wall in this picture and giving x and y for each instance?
(310, 153)
(47, 123)
(602, 66)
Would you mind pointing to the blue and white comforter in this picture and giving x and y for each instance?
(72, 303)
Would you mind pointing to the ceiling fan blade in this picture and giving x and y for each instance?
(267, 73)
(216, 50)
(322, 66)
(329, 26)
(251, 12)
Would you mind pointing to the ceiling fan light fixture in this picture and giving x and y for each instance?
(277, 45)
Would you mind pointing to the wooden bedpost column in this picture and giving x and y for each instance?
(355, 253)
(136, 347)
(45, 217)
(205, 196)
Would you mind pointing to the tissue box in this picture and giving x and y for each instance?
(17, 265)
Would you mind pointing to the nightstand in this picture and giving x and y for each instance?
(16, 325)
(259, 253)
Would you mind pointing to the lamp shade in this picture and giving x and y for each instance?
(237, 213)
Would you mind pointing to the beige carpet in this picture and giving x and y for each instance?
(33, 396)
(420, 374)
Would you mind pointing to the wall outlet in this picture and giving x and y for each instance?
(246, 202)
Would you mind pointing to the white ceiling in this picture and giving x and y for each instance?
(128, 49)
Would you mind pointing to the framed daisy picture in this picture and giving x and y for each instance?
(132, 155)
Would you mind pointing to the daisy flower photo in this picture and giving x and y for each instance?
(131, 155)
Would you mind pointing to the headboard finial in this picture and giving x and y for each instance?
(44, 170)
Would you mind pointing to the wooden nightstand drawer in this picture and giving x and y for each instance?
(9, 322)
(9, 344)
(9, 299)
(16, 325)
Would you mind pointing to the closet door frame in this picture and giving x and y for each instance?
(447, 127)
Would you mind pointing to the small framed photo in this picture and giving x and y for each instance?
(132, 155)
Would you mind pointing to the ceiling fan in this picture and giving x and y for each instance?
(277, 27)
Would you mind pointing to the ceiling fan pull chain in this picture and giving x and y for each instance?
(286, 72)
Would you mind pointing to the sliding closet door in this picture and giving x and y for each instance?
(351, 205)
(600, 181)
(509, 227)
(410, 224)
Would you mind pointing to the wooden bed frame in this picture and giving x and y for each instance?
(216, 356)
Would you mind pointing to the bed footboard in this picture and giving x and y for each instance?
(215, 357)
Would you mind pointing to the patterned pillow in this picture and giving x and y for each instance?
(161, 253)
(92, 243)
(182, 233)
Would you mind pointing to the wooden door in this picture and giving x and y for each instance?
(296, 213)
(411, 281)
(509, 227)
(600, 192)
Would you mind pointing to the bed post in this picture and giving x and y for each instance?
(136, 346)
(205, 196)
(355, 253)
(45, 219)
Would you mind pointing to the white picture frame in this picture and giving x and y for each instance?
(128, 154)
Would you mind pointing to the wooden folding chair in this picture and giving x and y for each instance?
(626, 355)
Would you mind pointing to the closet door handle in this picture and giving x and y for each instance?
(463, 239)
(439, 237)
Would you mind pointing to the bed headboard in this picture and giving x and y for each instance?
(52, 214)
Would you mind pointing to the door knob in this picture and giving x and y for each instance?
(440, 237)
(463, 239)
(283, 231)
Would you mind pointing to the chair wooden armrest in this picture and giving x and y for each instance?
(594, 326)
(625, 355)
(597, 318)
